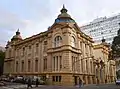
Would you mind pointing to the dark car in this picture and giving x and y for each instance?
(19, 80)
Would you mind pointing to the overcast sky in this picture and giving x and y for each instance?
(35, 16)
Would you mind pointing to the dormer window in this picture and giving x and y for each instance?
(57, 41)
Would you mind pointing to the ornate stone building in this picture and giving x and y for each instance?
(105, 68)
(61, 54)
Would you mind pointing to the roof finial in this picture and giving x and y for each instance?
(63, 10)
(17, 33)
(18, 30)
(103, 40)
(63, 6)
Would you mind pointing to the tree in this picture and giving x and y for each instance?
(116, 46)
(115, 54)
(2, 57)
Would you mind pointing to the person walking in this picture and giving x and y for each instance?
(29, 83)
(37, 82)
(80, 83)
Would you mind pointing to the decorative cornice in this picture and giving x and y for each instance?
(33, 37)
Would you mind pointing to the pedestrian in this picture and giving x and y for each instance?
(29, 83)
(37, 82)
(105, 80)
(80, 83)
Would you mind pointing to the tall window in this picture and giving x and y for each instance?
(57, 41)
(86, 48)
(73, 63)
(23, 51)
(54, 63)
(10, 53)
(36, 65)
(37, 46)
(16, 52)
(57, 63)
(90, 50)
(82, 65)
(29, 50)
(22, 66)
(80, 45)
(16, 66)
(73, 42)
(45, 64)
(91, 66)
(45, 46)
(28, 66)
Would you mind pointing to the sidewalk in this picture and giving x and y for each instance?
(99, 84)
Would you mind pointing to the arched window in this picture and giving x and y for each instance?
(73, 41)
(57, 41)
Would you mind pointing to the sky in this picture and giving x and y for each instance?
(35, 16)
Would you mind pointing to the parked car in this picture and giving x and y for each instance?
(19, 80)
(118, 82)
(41, 82)
(2, 83)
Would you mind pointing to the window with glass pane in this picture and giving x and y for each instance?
(57, 41)
(73, 41)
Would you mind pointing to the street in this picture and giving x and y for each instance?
(102, 86)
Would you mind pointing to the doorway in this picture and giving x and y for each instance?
(75, 80)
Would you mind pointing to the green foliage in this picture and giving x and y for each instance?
(2, 57)
(118, 74)
(116, 47)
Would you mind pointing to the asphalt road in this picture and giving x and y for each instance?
(103, 86)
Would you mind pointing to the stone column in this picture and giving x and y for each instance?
(79, 58)
(84, 50)
(59, 63)
(55, 63)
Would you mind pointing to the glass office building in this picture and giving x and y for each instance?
(104, 27)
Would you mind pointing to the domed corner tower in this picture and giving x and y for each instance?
(63, 47)
(17, 37)
(64, 25)
(10, 53)
(64, 17)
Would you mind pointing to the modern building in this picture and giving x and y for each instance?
(61, 55)
(102, 28)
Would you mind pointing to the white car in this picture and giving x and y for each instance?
(118, 82)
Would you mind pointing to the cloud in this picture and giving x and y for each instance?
(9, 23)
(35, 16)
